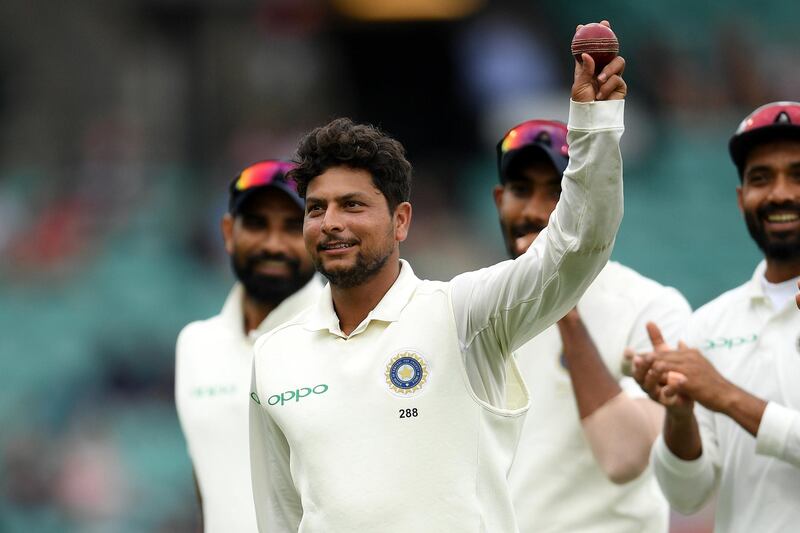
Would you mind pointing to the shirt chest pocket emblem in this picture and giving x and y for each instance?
(406, 373)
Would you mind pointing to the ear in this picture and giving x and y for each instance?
(227, 232)
(739, 200)
(498, 196)
(402, 221)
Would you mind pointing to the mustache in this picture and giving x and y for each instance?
(328, 242)
(520, 230)
(770, 209)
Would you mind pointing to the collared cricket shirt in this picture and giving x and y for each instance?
(410, 422)
(213, 367)
(555, 481)
(757, 479)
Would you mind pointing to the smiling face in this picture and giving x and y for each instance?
(525, 203)
(265, 243)
(770, 198)
(348, 229)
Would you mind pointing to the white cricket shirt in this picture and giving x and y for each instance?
(410, 422)
(757, 347)
(213, 367)
(555, 481)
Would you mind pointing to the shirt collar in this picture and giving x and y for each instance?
(388, 309)
(233, 313)
(755, 290)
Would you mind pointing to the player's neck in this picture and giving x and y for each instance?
(353, 304)
(779, 271)
(254, 312)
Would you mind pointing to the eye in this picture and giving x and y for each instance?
(519, 188)
(757, 178)
(352, 204)
(253, 222)
(313, 210)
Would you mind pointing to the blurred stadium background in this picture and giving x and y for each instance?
(121, 123)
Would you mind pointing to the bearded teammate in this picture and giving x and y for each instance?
(733, 404)
(581, 464)
(388, 405)
(263, 236)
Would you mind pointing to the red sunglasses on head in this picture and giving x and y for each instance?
(264, 173)
(549, 132)
(775, 113)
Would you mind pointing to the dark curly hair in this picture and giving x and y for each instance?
(342, 142)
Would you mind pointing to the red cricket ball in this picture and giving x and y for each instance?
(598, 41)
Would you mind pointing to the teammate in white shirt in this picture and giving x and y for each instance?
(733, 404)
(263, 236)
(394, 404)
(581, 464)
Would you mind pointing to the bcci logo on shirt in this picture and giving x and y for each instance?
(406, 373)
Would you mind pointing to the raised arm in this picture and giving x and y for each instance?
(499, 308)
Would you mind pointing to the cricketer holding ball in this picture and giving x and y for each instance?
(263, 235)
(416, 403)
(582, 460)
(733, 413)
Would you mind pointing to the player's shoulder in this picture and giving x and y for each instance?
(200, 330)
(289, 329)
(428, 287)
(729, 301)
(196, 338)
(466, 282)
(635, 287)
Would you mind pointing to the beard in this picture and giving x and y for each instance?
(365, 267)
(265, 289)
(513, 232)
(784, 248)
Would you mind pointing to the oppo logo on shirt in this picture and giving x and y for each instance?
(213, 390)
(729, 342)
(290, 395)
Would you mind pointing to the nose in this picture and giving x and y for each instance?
(538, 208)
(332, 221)
(274, 242)
(784, 190)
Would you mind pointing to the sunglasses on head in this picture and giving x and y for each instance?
(264, 173)
(547, 132)
(776, 113)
